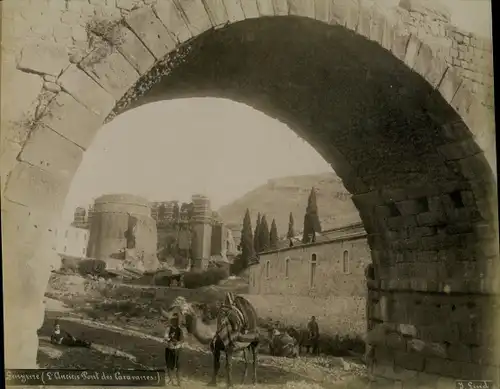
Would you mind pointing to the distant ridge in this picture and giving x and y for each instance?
(280, 196)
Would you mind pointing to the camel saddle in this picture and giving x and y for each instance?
(247, 317)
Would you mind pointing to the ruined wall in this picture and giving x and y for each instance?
(470, 55)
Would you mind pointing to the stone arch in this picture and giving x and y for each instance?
(89, 88)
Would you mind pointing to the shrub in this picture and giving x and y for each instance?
(238, 265)
(70, 265)
(341, 345)
(92, 267)
(209, 277)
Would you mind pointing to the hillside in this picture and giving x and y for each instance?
(281, 196)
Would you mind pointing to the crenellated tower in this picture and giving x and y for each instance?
(201, 229)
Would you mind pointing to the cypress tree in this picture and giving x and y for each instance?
(256, 235)
(273, 235)
(311, 219)
(291, 233)
(263, 234)
(247, 249)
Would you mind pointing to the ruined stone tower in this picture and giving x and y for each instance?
(80, 218)
(201, 227)
(122, 228)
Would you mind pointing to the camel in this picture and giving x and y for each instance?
(191, 317)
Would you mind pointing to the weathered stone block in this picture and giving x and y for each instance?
(388, 35)
(234, 11)
(144, 23)
(482, 355)
(134, 51)
(71, 119)
(322, 10)
(377, 27)
(399, 45)
(428, 349)
(463, 98)
(383, 355)
(410, 207)
(44, 57)
(197, 16)
(34, 187)
(429, 65)
(459, 352)
(266, 7)
(383, 211)
(409, 360)
(460, 149)
(250, 8)
(216, 12)
(127, 5)
(395, 341)
(394, 194)
(449, 85)
(51, 152)
(301, 8)
(79, 85)
(339, 11)
(364, 24)
(412, 51)
(407, 329)
(114, 73)
(8, 159)
(431, 218)
(475, 167)
(399, 222)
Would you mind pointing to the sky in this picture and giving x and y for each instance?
(170, 150)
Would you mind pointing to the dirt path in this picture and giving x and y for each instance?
(147, 352)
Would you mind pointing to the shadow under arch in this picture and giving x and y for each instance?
(392, 138)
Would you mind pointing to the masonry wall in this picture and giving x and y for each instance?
(72, 241)
(330, 278)
(338, 294)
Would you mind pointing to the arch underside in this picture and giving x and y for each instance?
(427, 205)
(422, 185)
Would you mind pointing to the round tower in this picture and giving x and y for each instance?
(201, 223)
(79, 216)
(122, 228)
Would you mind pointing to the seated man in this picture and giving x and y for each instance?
(62, 337)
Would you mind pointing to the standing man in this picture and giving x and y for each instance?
(173, 338)
(313, 330)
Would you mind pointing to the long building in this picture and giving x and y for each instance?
(325, 279)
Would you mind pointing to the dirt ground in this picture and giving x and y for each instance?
(124, 342)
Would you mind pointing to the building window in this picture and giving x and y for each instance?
(345, 262)
(314, 264)
(268, 264)
(287, 267)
